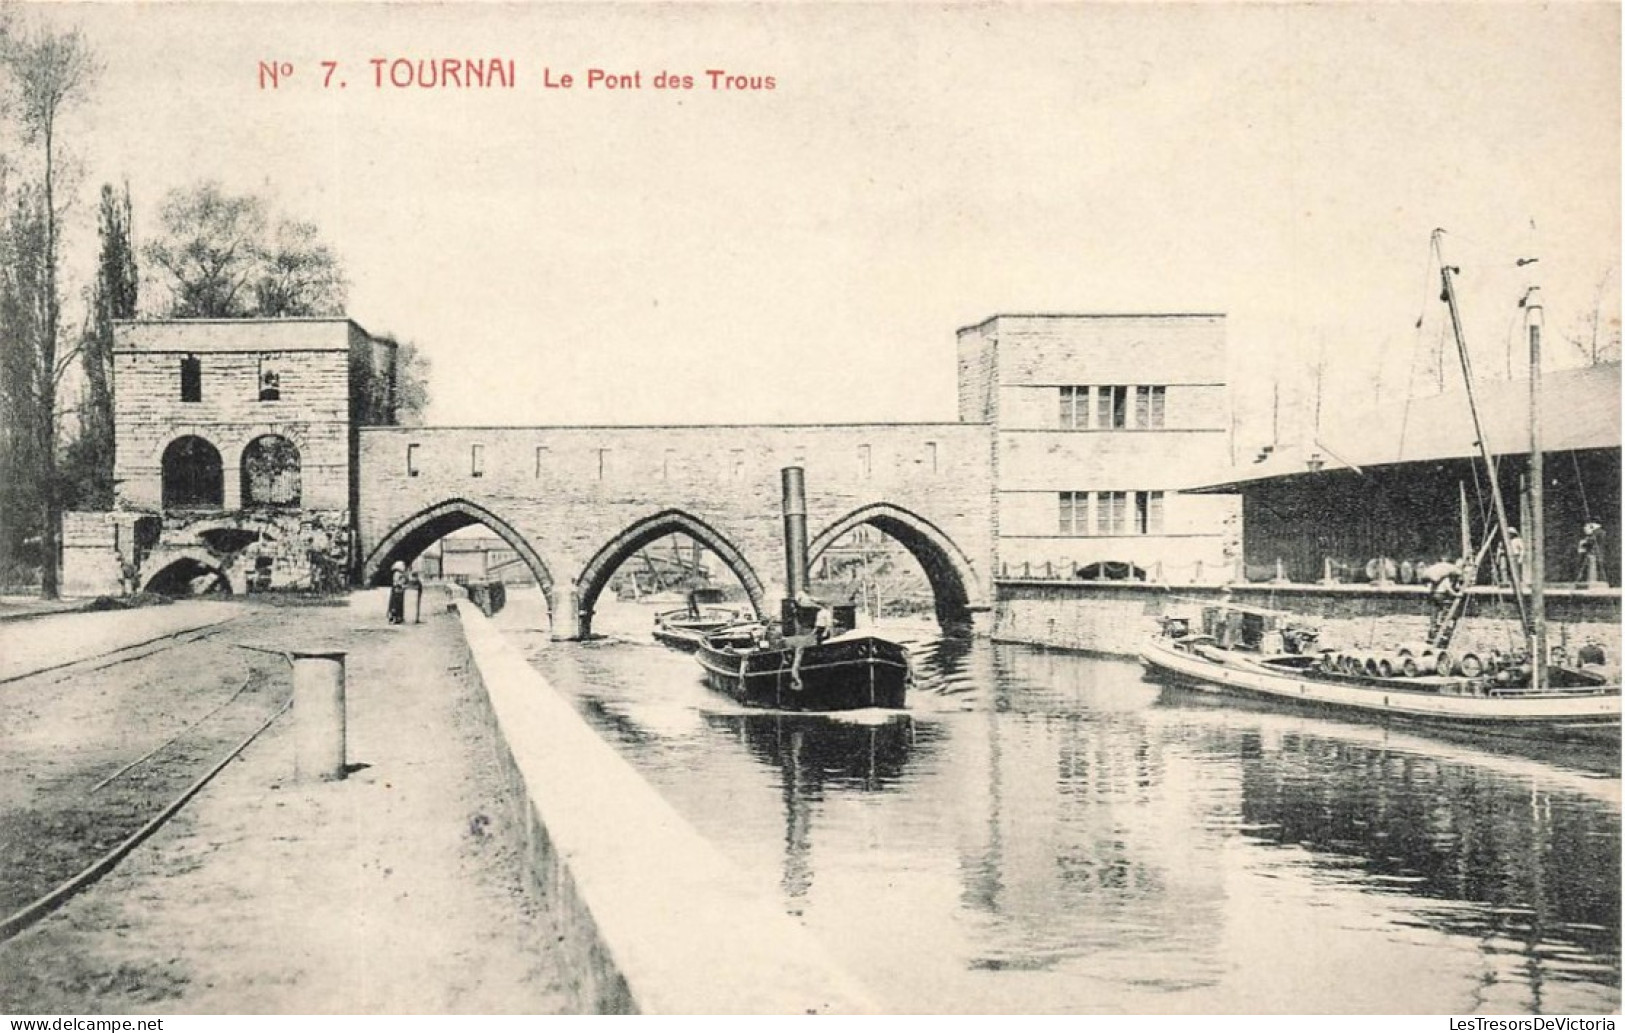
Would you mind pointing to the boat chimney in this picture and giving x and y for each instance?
(795, 531)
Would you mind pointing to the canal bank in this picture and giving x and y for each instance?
(1113, 618)
(396, 890)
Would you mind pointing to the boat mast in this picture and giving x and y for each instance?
(1535, 314)
(1449, 296)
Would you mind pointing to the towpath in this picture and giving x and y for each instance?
(397, 890)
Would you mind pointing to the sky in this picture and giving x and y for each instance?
(806, 253)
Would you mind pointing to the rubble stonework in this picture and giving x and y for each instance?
(234, 446)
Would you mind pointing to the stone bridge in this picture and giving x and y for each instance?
(576, 502)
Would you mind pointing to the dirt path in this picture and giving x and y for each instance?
(396, 890)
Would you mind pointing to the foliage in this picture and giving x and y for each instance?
(87, 465)
(411, 384)
(221, 257)
(46, 73)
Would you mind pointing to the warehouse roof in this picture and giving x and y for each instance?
(1580, 409)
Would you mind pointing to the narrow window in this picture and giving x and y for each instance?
(1159, 406)
(931, 456)
(1067, 510)
(191, 379)
(1111, 512)
(476, 460)
(1069, 399)
(541, 458)
(1119, 407)
(603, 462)
(1153, 512)
(666, 464)
(1142, 407)
(411, 460)
(865, 464)
(270, 381)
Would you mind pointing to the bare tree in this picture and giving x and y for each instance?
(47, 72)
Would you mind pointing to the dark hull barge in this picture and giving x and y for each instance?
(848, 672)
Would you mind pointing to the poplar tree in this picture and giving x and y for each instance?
(47, 73)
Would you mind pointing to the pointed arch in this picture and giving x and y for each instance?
(953, 580)
(174, 573)
(596, 574)
(417, 532)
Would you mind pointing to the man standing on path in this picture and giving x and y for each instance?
(397, 593)
(415, 582)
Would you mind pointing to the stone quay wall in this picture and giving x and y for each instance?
(1115, 617)
(648, 916)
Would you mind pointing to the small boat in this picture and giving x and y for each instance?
(848, 671)
(814, 658)
(685, 628)
(1258, 661)
(1535, 690)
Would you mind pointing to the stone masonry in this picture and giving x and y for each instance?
(577, 501)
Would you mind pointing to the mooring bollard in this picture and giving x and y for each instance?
(318, 716)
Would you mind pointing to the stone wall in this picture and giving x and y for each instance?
(568, 493)
(1012, 371)
(647, 916)
(1114, 618)
(312, 364)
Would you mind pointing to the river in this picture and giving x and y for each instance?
(1047, 832)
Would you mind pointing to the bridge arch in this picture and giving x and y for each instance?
(172, 572)
(417, 532)
(596, 574)
(948, 571)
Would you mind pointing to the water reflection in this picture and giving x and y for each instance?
(1049, 832)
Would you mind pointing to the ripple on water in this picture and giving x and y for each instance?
(1048, 832)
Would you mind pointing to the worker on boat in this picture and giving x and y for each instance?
(1589, 552)
(1444, 586)
(1509, 558)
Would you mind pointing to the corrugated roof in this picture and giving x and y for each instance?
(1580, 409)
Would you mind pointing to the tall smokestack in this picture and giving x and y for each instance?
(795, 531)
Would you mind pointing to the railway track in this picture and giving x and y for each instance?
(84, 816)
(121, 654)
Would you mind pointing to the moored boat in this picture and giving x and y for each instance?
(1533, 690)
(1575, 703)
(685, 628)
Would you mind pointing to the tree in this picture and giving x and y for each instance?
(299, 275)
(88, 463)
(208, 248)
(220, 258)
(411, 384)
(47, 73)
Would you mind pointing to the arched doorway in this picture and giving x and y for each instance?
(270, 472)
(414, 535)
(595, 576)
(186, 576)
(192, 476)
(947, 571)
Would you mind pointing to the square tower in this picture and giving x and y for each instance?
(241, 436)
(1098, 422)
